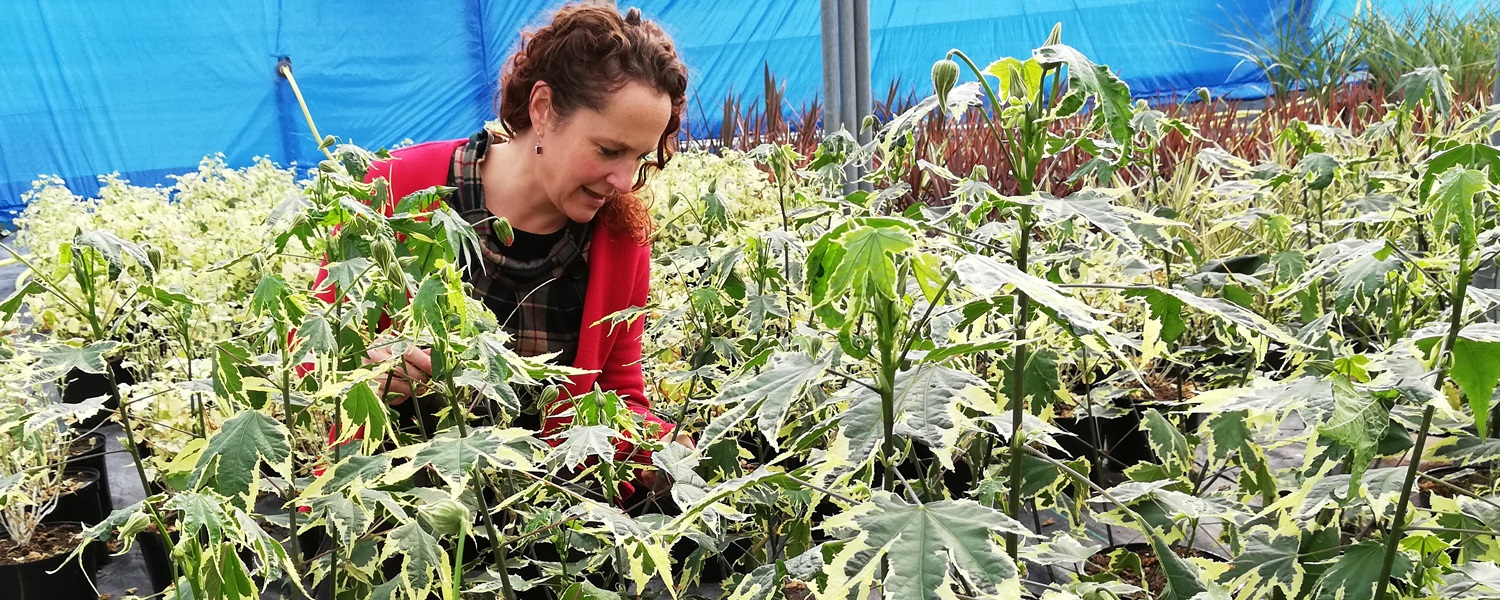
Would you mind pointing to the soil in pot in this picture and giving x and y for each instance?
(24, 569)
(1155, 578)
(1479, 481)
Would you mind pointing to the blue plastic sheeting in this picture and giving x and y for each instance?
(148, 88)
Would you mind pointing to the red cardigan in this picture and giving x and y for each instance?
(619, 278)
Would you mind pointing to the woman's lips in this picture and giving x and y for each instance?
(599, 199)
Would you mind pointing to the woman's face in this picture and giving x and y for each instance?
(593, 154)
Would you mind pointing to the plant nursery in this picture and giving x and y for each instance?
(1039, 318)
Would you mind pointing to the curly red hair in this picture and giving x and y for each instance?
(581, 47)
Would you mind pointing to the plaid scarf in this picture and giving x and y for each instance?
(539, 302)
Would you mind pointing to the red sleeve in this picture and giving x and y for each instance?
(622, 368)
(621, 372)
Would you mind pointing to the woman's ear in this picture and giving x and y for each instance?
(541, 106)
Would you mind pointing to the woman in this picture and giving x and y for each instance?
(591, 102)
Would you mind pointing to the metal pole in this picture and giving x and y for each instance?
(847, 94)
(831, 111)
(862, 91)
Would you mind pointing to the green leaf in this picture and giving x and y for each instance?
(1471, 156)
(234, 455)
(1167, 310)
(1476, 368)
(317, 335)
(1240, 317)
(362, 410)
(1269, 560)
(1228, 435)
(1030, 70)
(1355, 575)
(420, 556)
(58, 359)
(1112, 94)
(227, 381)
(345, 274)
(867, 263)
(1358, 421)
(1169, 445)
(581, 443)
(12, 304)
(921, 543)
(1319, 168)
(1425, 83)
(427, 304)
(463, 243)
(958, 100)
(1362, 278)
(232, 580)
(769, 395)
(929, 405)
(1097, 208)
(113, 248)
(1182, 579)
(347, 519)
(987, 277)
(268, 296)
(353, 470)
(1453, 204)
(199, 513)
(454, 457)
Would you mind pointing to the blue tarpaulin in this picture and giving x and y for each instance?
(147, 88)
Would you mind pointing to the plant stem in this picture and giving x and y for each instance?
(1017, 384)
(291, 480)
(497, 543)
(1394, 537)
(885, 317)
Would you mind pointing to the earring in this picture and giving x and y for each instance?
(539, 146)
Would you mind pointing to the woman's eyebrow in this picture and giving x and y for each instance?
(616, 144)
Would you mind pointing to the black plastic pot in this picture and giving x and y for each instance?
(80, 505)
(79, 386)
(1119, 441)
(90, 455)
(156, 552)
(34, 580)
(1425, 490)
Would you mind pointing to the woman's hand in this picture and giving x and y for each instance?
(657, 482)
(405, 379)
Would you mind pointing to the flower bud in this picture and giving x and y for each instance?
(383, 252)
(1055, 37)
(501, 227)
(1017, 84)
(154, 257)
(944, 77)
(445, 517)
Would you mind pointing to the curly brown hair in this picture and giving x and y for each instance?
(582, 47)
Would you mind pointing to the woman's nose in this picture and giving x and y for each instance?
(622, 177)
